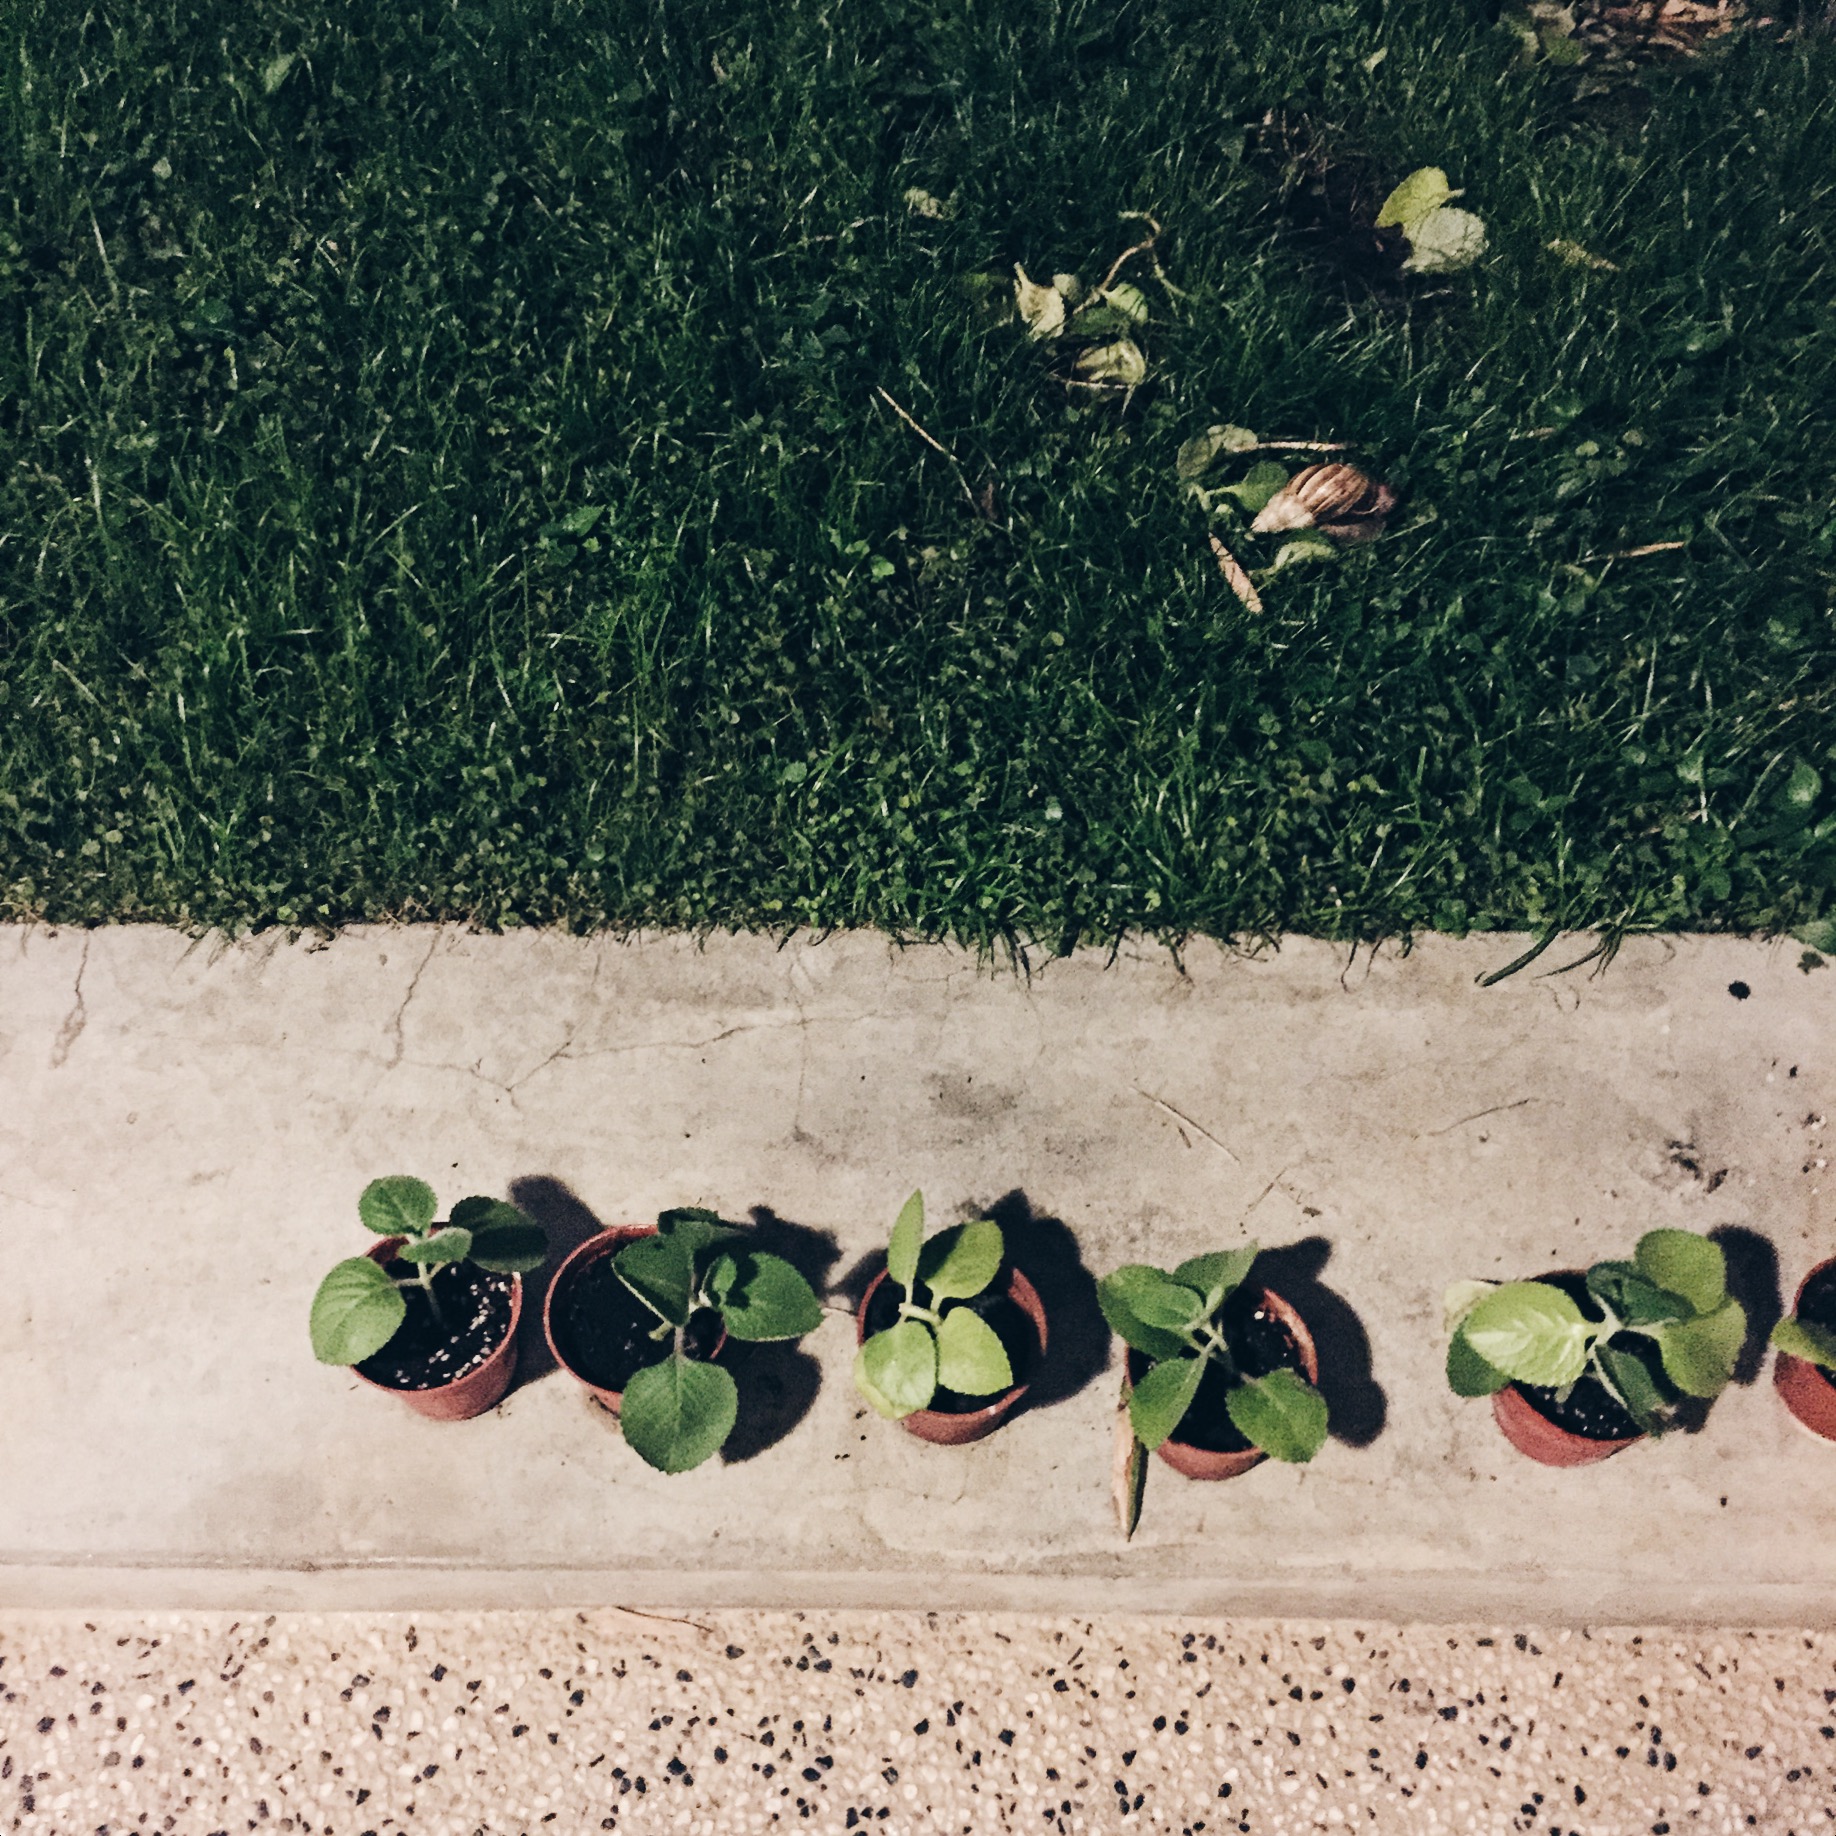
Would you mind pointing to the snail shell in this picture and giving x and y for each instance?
(1338, 499)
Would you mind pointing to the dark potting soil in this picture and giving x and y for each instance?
(1259, 1343)
(1009, 1323)
(427, 1352)
(604, 1331)
(1591, 1409)
(1818, 1307)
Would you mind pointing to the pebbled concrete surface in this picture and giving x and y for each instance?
(501, 1724)
(184, 1129)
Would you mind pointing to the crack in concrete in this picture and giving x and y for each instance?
(78, 1016)
(401, 1013)
(1497, 1109)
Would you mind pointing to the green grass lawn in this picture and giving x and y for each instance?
(443, 474)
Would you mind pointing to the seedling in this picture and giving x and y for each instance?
(1671, 1298)
(1174, 1321)
(938, 1341)
(678, 1412)
(360, 1306)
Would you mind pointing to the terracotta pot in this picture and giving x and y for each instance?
(939, 1425)
(477, 1390)
(1808, 1392)
(1201, 1462)
(596, 1249)
(1533, 1434)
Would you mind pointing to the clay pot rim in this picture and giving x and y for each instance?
(382, 1252)
(1812, 1368)
(1282, 1309)
(1580, 1440)
(1026, 1297)
(596, 1248)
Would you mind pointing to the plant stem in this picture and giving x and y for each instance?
(426, 1272)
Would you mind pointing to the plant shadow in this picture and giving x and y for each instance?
(777, 1382)
(569, 1223)
(1355, 1403)
(1047, 1254)
(1753, 1280)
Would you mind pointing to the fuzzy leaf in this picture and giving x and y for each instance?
(958, 1263)
(1681, 1262)
(1633, 1297)
(907, 1241)
(678, 1413)
(1217, 1276)
(1197, 453)
(1468, 1374)
(355, 1313)
(970, 1356)
(1120, 362)
(1804, 1339)
(1160, 1400)
(1459, 1299)
(1444, 241)
(762, 1297)
(1700, 1354)
(660, 1271)
(444, 1245)
(1115, 1297)
(1043, 308)
(896, 1370)
(1532, 1332)
(1425, 189)
(1281, 1413)
(696, 1229)
(503, 1239)
(397, 1206)
(1634, 1385)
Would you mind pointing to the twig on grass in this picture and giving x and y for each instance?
(1232, 570)
(937, 446)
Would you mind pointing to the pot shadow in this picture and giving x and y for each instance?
(777, 1382)
(552, 1204)
(1753, 1280)
(1355, 1403)
(1047, 1254)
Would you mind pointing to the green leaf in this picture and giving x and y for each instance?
(1468, 1374)
(1803, 786)
(907, 1241)
(1633, 1297)
(970, 1357)
(580, 522)
(1119, 362)
(660, 1271)
(1532, 1332)
(1254, 491)
(1129, 301)
(1154, 1297)
(1634, 1385)
(958, 1263)
(1043, 308)
(444, 1245)
(1162, 1397)
(696, 1229)
(1700, 1354)
(1197, 453)
(1217, 1276)
(355, 1313)
(896, 1370)
(1115, 1297)
(397, 1206)
(1684, 1263)
(1425, 189)
(1281, 1413)
(503, 1239)
(1458, 1299)
(1309, 545)
(1444, 241)
(762, 1297)
(1803, 1339)
(678, 1413)
(274, 71)
(1819, 934)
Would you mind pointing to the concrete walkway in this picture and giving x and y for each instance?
(184, 1130)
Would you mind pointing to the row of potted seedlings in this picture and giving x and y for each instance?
(1220, 1372)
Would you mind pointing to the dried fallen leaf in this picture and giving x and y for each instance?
(1197, 453)
(1443, 241)
(1578, 257)
(1128, 1476)
(1232, 570)
(1043, 308)
(1120, 362)
(1423, 190)
(923, 204)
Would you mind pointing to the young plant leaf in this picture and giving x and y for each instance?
(1128, 1476)
(1253, 492)
(1309, 545)
(958, 1263)
(1196, 455)
(1217, 1276)
(1129, 1326)
(1119, 362)
(696, 1229)
(509, 1246)
(1633, 1298)
(1804, 1339)
(1532, 1332)
(1155, 1297)
(1444, 241)
(1458, 1299)
(1425, 189)
(1634, 1385)
(970, 1356)
(896, 1370)
(397, 1206)
(907, 1241)
(1685, 1264)
(762, 1297)
(1700, 1354)
(1160, 1400)
(1281, 1413)
(443, 1245)
(1468, 1374)
(660, 1271)
(1043, 308)
(355, 1313)
(678, 1413)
